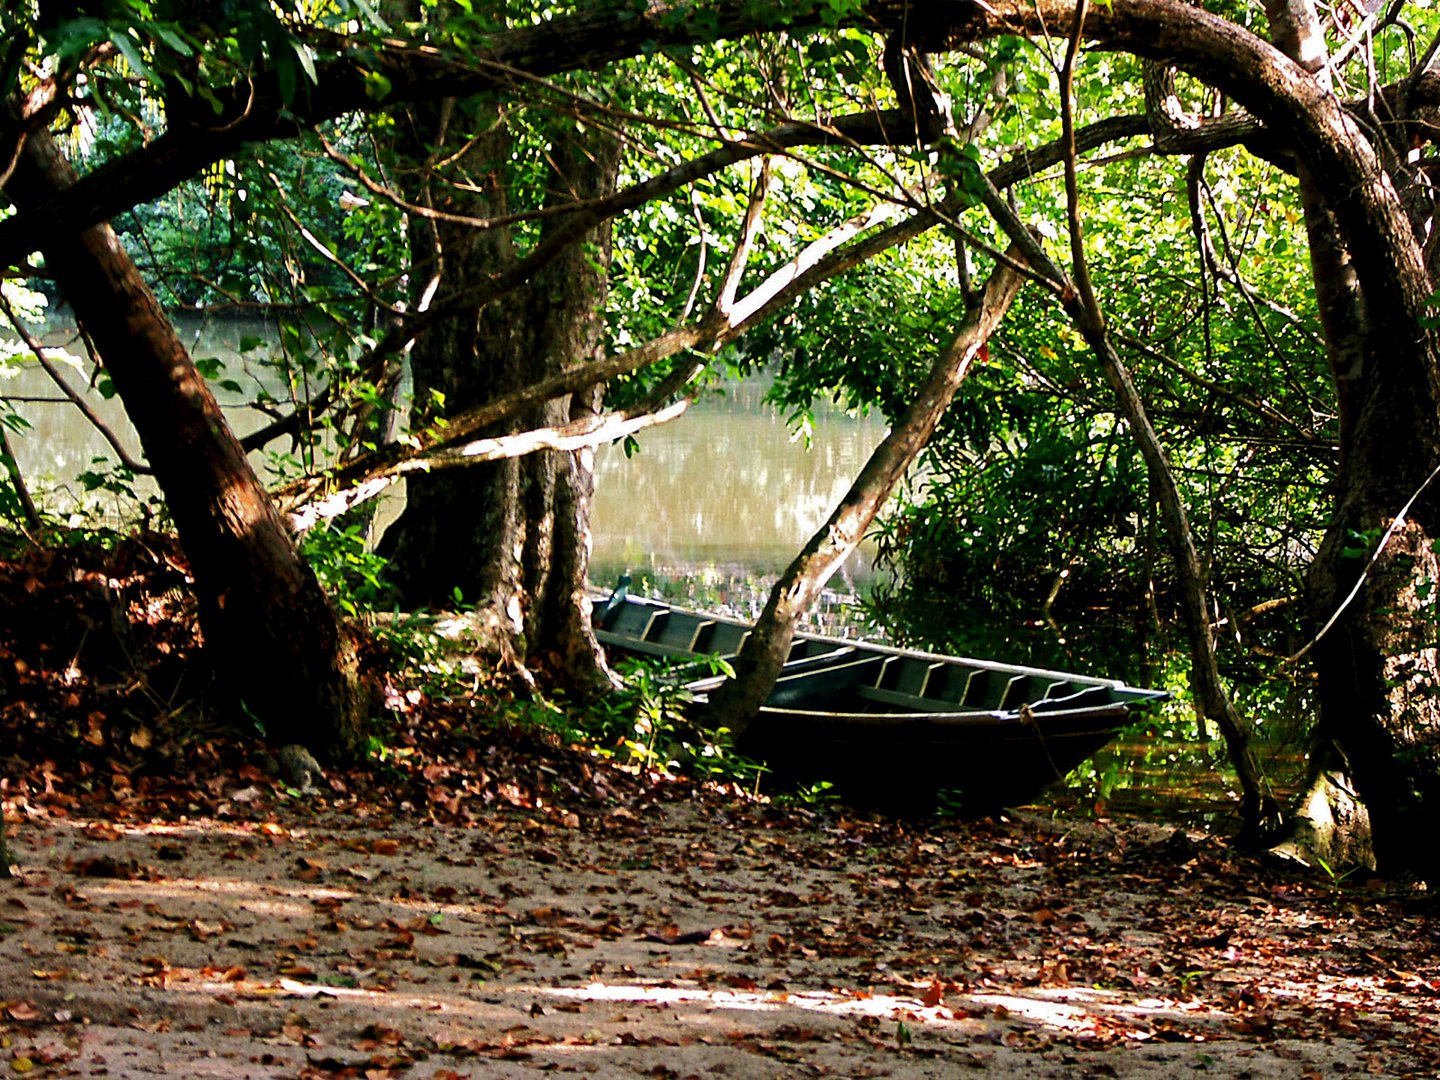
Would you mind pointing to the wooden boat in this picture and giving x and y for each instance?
(894, 727)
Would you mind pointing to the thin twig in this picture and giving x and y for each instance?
(38, 351)
(700, 261)
(1398, 520)
(326, 252)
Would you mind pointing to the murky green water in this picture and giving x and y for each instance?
(724, 496)
(717, 501)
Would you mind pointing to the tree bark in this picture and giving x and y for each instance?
(277, 649)
(1329, 820)
(736, 702)
(511, 536)
(1377, 664)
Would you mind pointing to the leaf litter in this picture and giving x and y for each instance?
(496, 904)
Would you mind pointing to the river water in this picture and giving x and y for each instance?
(716, 504)
(712, 506)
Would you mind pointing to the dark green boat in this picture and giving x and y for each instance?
(893, 727)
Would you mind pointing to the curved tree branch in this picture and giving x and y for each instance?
(576, 435)
(255, 110)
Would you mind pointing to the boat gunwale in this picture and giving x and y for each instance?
(990, 718)
(859, 645)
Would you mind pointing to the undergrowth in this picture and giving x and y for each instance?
(646, 726)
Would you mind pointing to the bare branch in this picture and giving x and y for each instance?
(1219, 389)
(712, 332)
(37, 349)
(749, 229)
(576, 435)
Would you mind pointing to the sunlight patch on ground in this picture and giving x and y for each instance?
(1058, 1014)
(1070, 1011)
(881, 1005)
(1078, 1008)
(268, 900)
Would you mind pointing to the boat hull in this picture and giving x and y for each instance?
(916, 762)
(896, 728)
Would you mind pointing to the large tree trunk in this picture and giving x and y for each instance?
(435, 548)
(512, 537)
(271, 636)
(735, 703)
(1377, 663)
(1329, 821)
(1376, 657)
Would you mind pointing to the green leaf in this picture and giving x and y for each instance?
(128, 49)
(377, 86)
(373, 17)
(171, 38)
(74, 36)
(286, 76)
(307, 60)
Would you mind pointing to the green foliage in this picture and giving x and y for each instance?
(11, 507)
(645, 726)
(122, 497)
(189, 49)
(341, 559)
(1030, 529)
(970, 543)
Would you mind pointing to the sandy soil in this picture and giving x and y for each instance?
(684, 936)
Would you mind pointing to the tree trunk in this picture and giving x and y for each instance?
(512, 537)
(436, 551)
(279, 654)
(1377, 664)
(1379, 722)
(735, 703)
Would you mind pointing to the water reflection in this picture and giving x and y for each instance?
(725, 487)
(721, 499)
(60, 443)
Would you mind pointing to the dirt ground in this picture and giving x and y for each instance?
(679, 934)
(477, 899)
